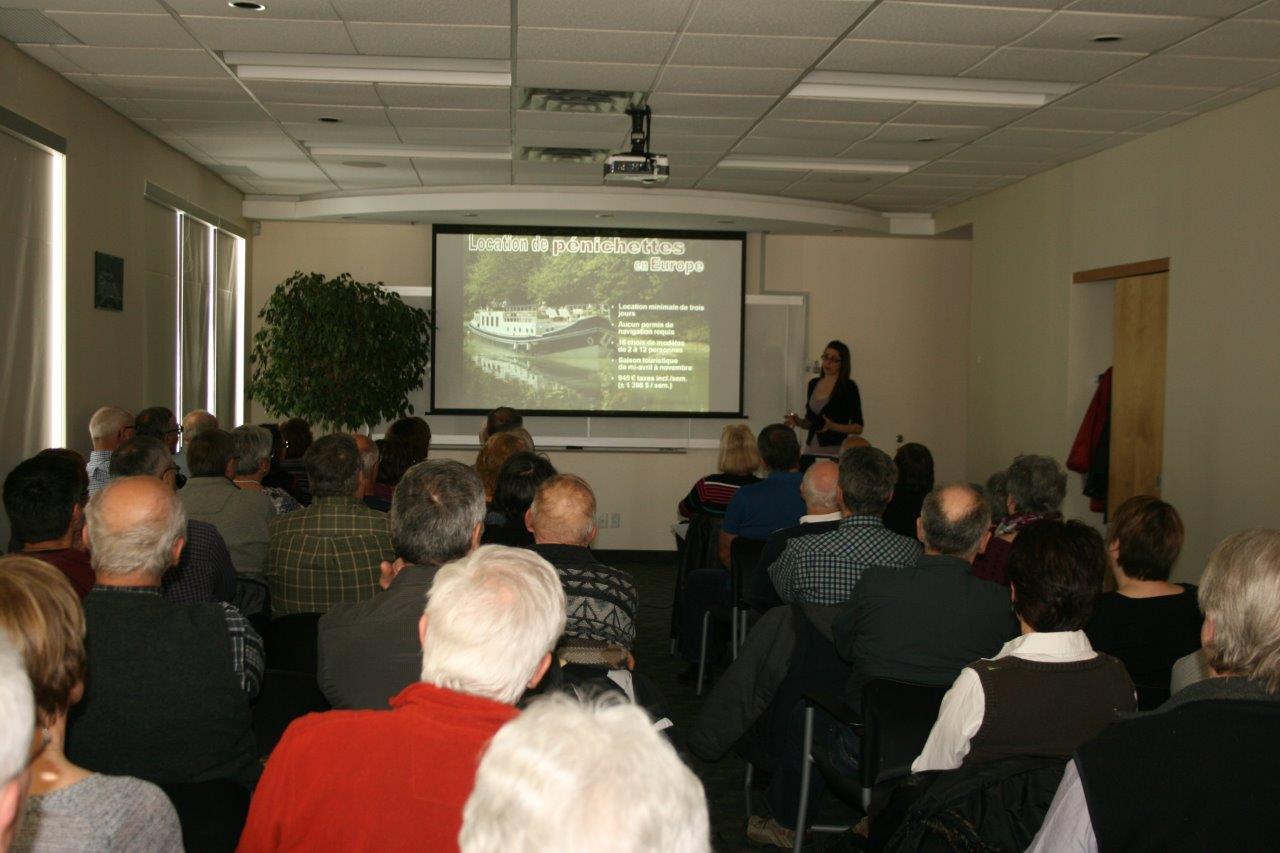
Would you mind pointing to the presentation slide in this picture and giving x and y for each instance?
(587, 322)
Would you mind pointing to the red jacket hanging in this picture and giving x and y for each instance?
(1092, 441)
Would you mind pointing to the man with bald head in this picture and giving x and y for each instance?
(109, 428)
(602, 600)
(822, 515)
(167, 695)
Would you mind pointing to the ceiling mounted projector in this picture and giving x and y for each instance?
(639, 165)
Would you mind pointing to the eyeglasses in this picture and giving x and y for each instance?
(174, 431)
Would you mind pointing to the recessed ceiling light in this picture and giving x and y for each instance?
(247, 6)
(330, 120)
(334, 68)
(364, 164)
(1107, 38)
(927, 139)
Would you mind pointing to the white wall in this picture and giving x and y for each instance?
(1206, 194)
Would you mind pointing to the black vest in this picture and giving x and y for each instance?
(1203, 775)
(162, 701)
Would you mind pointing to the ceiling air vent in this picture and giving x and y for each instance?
(564, 155)
(579, 101)
(27, 26)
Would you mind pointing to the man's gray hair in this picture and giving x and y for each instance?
(333, 466)
(491, 619)
(814, 496)
(196, 422)
(434, 510)
(1036, 483)
(146, 546)
(108, 421)
(954, 535)
(253, 444)
(1240, 594)
(867, 477)
(17, 712)
(582, 777)
(140, 456)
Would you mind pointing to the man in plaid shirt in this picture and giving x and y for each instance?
(824, 569)
(331, 551)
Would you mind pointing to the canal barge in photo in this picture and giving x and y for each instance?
(530, 329)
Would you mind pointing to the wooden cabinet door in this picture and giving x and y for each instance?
(1137, 401)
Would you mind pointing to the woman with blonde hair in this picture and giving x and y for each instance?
(736, 467)
(70, 808)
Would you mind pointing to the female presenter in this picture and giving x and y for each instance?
(833, 409)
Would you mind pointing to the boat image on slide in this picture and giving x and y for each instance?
(542, 329)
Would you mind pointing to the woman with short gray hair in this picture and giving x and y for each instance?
(253, 461)
(1036, 486)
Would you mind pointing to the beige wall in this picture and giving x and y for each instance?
(902, 304)
(1206, 194)
(124, 358)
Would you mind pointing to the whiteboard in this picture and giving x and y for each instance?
(775, 368)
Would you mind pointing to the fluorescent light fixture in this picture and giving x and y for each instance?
(239, 402)
(423, 152)
(844, 86)
(866, 167)
(333, 68)
(56, 366)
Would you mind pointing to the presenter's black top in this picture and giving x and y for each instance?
(844, 406)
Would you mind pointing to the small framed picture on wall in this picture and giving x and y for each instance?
(108, 282)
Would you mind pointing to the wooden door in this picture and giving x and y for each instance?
(1137, 400)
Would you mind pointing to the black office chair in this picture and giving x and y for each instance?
(291, 642)
(284, 697)
(698, 549)
(212, 814)
(744, 555)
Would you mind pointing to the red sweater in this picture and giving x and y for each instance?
(375, 780)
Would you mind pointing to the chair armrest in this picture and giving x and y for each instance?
(836, 708)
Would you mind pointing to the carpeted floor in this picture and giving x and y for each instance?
(655, 576)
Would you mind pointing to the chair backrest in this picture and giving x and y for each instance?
(284, 697)
(212, 814)
(701, 543)
(290, 642)
(898, 716)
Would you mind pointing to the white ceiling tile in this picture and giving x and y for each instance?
(665, 126)
(1067, 118)
(846, 132)
(47, 55)
(310, 10)
(593, 45)
(123, 30)
(129, 107)
(873, 150)
(465, 178)
(1170, 70)
(260, 131)
(94, 85)
(898, 57)
(496, 12)
(786, 176)
(1269, 11)
(568, 139)
(612, 124)
(1023, 137)
(336, 94)
(689, 159)
(1237, 38)
(1114, 96)
(1202, 8)
(756, 186)
(317, 132)
(292, 188)
(1063, 66)
(726, 81)
(201, 110)
(781, 147)
(84, 5)
(445, 97)
(818, 109)
(900, 132)
(935, 180)
(585, 75)
(751, 51)
(471, 171)
(432, 40)
(295, 170)
(313, 112)
(741, 106)
(481, 119)
(959, 114)
(1160, 123)
(451, 137)
(949, 167)
(1221, 100)
(923, 22)
(395, 173)
(694, 142)
(175, 88)
(1014, 158)
(123, 60)
(824, 18)
(1140, 33)
(651, 15)
(271, 34)
(1013, 4)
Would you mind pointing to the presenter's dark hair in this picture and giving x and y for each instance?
(1056, 570)
(842, 348)
(778, 447)
(40, 496)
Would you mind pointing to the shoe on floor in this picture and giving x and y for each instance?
(767, 831)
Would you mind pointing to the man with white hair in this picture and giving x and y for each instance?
(579, 778)
(1199, 772)
(108, 428)
(17, 720)
(167, 697)
(398, 779)
(370, 461)
(818, 488)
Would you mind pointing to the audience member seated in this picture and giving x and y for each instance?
(822, 515)
(297, 437)
(518, 482)
(370, 462)
(398, 779)
(17, 720)
(760, 509)
(1047, 691)
(44, 497)
(602, 602)
(920, 624)
(414, 434)
(168, 687)
(205, 572)
(1148, 623)
(109, 428)
(915, 480)
(160, 422)
(824, 569)
(853, 441)
(571, 777)
(1203, 765)
(996, 492)
(369, 651)
(194, 423)
(277, 477)
(70, 808)
(210, 496)
(329, 552)
(735, 468)
(501, 419)
(489, 461)
(1036, 486)
(253, 449)
(394, 458)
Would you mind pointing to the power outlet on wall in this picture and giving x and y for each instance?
(602, 521)
(615, 520)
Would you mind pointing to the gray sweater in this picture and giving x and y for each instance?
(99, 813)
